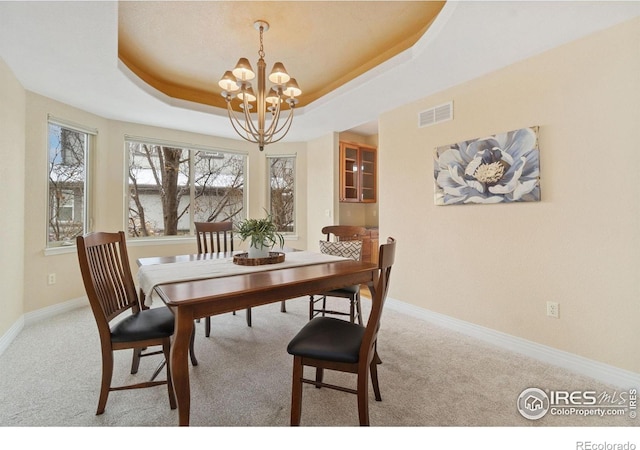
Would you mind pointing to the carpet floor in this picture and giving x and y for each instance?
(430, 377)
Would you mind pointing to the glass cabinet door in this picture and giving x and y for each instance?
(357, 173)
(349, 173)
(367, 175)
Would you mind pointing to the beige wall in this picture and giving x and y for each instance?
(12, 204)
(498, 265)
(322, 186)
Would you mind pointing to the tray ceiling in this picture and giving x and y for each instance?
(183, 48)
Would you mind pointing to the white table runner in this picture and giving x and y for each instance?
(153, 275)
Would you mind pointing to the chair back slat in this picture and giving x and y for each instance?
(106, 274)
(344, 232)
(386, 257)
(214, 237)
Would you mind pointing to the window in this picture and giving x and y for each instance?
(171, 185)
(68, 148)
(282, 171)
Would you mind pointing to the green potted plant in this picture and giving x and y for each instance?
(263, 234)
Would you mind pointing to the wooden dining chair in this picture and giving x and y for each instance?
(346, 241)
(215, 237)
(123, 323)
(335, 344)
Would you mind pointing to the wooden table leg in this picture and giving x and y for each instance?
(180, 363)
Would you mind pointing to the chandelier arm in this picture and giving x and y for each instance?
(287, 123)
(249, 126)
(273, 130)
(231, 113)
(240, 133)
(237, 126)
(274, 122)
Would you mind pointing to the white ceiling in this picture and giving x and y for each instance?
(68, 51)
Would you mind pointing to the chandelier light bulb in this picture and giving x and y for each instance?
(279, 74)
(228, 82)
(273, 98)
(292, 89)
(248, 92)
(243, 70)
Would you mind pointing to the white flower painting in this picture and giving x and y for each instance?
(502, 168)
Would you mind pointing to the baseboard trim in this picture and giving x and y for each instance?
(11, 334)
(578, 364)
(37, 316)
(54, 310)
(602, 372)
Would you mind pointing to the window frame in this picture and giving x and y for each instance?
(293, 157)
(54, 247)
(192, 149)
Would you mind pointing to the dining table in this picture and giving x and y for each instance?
(200, 285)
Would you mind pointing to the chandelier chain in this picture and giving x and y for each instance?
(261, 51)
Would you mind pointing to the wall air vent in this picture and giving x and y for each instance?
(437, 114)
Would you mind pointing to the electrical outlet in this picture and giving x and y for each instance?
(51, 279)
(553, 309)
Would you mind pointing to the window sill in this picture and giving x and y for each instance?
(62, 250)
(140, 242)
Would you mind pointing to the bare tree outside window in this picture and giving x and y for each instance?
(158, 181)
(67, 180)
(169, 187)
(282, 192)
(219, 187)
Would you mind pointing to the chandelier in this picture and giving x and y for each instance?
(237, 82)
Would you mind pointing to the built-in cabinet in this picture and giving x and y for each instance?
(370, 244)
(358, 173)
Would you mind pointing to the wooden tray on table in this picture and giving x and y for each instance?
(244, 260)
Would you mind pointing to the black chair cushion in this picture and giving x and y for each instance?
(347, 291)
(329, 339)
(151, 323)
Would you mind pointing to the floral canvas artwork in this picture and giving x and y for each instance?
(502, 168)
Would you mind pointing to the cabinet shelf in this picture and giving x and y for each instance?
(358, 173)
